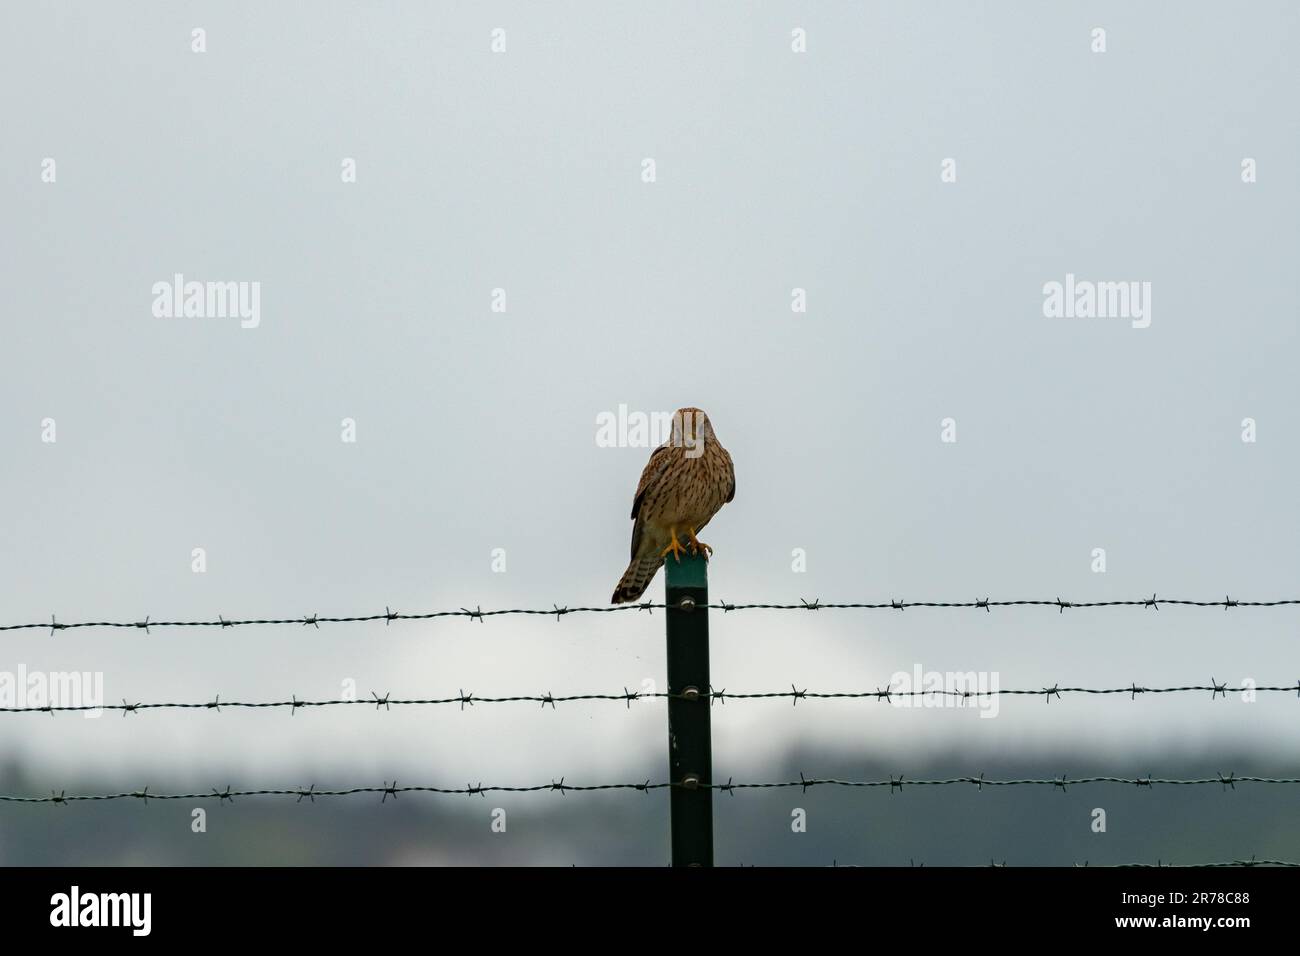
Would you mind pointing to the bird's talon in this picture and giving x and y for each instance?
(675, 548)
(698, 546)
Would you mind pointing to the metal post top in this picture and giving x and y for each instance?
(690, 572)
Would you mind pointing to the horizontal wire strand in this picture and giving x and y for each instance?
(720, 696)
(980, 782)
(479, 614)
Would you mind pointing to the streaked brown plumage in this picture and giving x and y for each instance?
(685, 483)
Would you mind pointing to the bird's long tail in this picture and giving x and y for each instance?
(636, 578)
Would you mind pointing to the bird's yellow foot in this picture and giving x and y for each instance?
(674, 548)
(697, 545)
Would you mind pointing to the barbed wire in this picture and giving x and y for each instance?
(1152, 602)
(794, 695)
(389, 615)
(804, 783)
(730, 787)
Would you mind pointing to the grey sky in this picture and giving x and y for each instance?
(475, 430)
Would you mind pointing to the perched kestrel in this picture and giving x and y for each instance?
(686, 482)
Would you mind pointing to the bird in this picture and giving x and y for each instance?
(685, 483)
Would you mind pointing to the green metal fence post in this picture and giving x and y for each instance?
(690, 746)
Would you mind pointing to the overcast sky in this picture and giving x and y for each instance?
(524, 170)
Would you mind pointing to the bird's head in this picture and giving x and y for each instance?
(691, 430)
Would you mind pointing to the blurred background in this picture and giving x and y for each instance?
(475, 478)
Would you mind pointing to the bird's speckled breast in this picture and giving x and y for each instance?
(691, 490)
